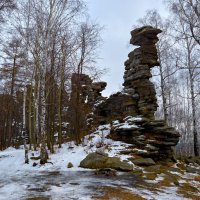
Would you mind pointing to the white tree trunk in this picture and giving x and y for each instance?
(24, 126)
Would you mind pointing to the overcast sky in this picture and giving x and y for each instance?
(118, 18)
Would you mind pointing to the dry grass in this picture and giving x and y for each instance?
(197, 178)
(189, 195)
(189, 191)
(118, 194)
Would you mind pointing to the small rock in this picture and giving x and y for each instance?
(106, 172)
(35, 158)
(70, 165)
(35, 164)
(138, 172)
(153, 168)
(150, 176)
(74, 183)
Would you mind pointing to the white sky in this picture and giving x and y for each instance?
(118, 17)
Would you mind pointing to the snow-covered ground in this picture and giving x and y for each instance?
(13, 159)
(55, 180)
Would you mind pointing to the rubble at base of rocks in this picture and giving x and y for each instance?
(154, 137)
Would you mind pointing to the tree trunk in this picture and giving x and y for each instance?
(24, 132)
(195, 133)
(43, 153)
(30, 117)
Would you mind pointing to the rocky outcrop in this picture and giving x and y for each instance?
(89, 91)
(116, 107)
(137, 70)
(84, 95)
(133, 107)
(153, 137)
(138, 98)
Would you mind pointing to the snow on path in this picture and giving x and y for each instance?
(16, 177)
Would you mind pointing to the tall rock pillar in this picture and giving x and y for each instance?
(138, 69)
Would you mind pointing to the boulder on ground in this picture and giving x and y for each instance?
(143, 161)
(94, 161)
(116, 163)
(99, 161)
(70, 165)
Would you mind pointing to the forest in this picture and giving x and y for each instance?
(44, 44)
(35, 107)
(51, 84)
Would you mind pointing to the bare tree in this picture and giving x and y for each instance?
(189, 12)
(5, 6)
(186, 27)
(42, 31)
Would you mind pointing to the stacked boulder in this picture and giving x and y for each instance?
(116, 107)
(149, 138)
(154, 137)
(138, 96)
(137, 70)
(134, 106)
(89, 91)
(84, 94)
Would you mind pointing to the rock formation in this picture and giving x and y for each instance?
(131, 111)
(138, 98)
(116, 107)
(154, 137)
(84, 94)
(137, 70)
(90, 92)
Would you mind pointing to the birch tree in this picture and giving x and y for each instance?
(47, 21)
(189, 13)
(186, 26)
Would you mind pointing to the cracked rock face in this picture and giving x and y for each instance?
(90, 91)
